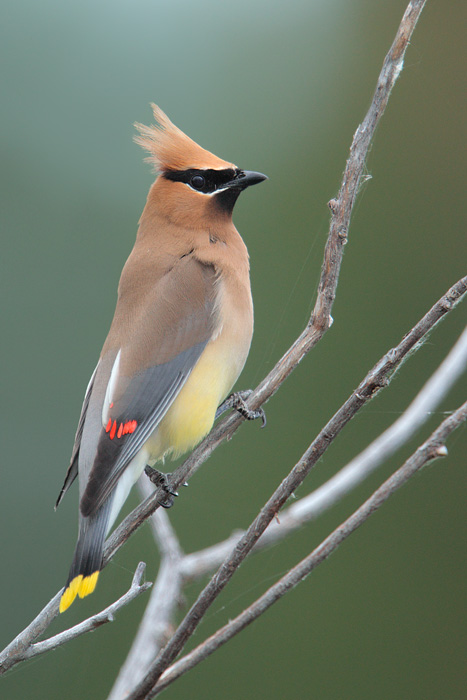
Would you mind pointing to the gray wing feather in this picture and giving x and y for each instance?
(147, 400)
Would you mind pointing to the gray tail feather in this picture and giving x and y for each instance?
(88, 552)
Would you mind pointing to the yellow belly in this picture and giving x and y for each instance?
(191, 415)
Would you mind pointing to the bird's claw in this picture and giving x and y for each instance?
(237, 401)
(161, 480)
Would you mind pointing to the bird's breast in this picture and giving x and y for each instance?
(192, 413)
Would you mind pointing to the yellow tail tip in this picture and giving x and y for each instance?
(81, 586)
(88, 584)
(70, 593)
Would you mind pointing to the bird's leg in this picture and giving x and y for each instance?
(237, 401)
(161, 480)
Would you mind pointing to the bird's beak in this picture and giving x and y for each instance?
(246, 178)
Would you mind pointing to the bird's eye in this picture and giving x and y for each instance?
(198, 182)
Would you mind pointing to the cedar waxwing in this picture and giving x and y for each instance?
(178, 341)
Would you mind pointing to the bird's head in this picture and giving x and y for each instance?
(193, 183)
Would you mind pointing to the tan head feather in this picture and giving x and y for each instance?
(171, 149)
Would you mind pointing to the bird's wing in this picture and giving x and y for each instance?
(156, 352)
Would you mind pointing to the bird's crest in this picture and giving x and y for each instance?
(171, 149)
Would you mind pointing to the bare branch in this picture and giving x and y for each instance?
(432, 449)
(438, 385)
(309, 507)
(92, 623)
(156, 626)
(164, 534)
(17, 649)
(155, 629)
(320, 320)
(377, 378)
(199, 563)
(386, 444)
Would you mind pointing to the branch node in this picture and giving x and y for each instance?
(138, 575)
(447, 302)
(343, 234)
(440, 451)
(392, 354)
(380, 383)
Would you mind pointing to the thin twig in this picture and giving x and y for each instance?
(92, 623)
(432, 449)
(17, 649)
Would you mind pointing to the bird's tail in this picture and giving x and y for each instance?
(87, 559)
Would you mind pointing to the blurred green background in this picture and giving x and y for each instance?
(280, 88)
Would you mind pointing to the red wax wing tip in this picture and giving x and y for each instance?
(129, 427)
(111, 405)
(120, 430)
(113, 431)
(109, 425)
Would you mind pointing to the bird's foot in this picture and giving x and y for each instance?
(161, 480)
(237, 401)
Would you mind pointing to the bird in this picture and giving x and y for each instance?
(179, 338)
